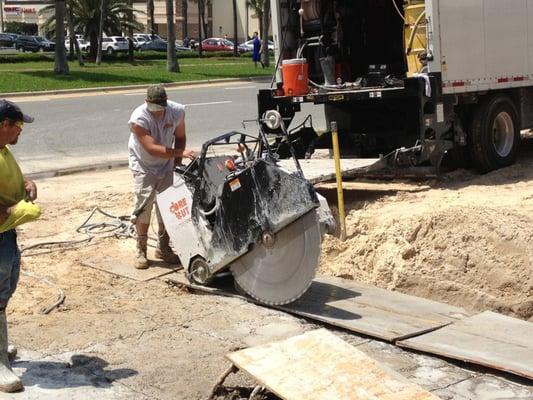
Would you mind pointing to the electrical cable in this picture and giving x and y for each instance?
(117, 227)
(398, 10)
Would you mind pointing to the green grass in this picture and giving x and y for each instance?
(35, 73)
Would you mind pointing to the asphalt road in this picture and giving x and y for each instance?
(77, 130)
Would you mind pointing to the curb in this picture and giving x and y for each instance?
(106, 89)
(75, 170)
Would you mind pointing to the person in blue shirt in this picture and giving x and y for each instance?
(256, 55)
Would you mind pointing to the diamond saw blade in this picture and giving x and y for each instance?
(281, 272)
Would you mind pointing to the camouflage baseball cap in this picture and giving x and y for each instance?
(157, 94)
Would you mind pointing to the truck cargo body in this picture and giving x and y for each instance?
(433, 76)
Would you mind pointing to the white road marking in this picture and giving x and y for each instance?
(208, 104)
(240, 87)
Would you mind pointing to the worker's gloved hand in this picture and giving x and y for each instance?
(31, 190)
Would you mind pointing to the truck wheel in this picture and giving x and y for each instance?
(109, 50)
(495, 134)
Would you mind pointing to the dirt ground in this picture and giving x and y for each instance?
(464, 239)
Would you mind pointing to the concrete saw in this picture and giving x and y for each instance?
(243, 213)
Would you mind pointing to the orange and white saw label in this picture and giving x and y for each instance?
(235, 185)
(180, 209)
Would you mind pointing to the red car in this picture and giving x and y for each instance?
(217, 44)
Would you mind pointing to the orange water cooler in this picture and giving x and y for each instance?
(295, 73)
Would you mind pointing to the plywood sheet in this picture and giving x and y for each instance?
(372, 311)
(125, 268)
(320, 366)
(361, 308)
(488, 339)
(323, 170)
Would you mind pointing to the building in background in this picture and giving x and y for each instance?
(219, 17)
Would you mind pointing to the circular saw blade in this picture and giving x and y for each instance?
(282, 273)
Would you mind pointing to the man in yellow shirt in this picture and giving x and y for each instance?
(16, 207)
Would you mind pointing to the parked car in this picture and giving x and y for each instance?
(137, 43)
(34, 43)
(217, 44)
(7, 39)
(83, 44)
(249, 46)
(145, 37)
(159, 45)
(114, 44)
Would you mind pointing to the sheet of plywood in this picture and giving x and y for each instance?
(124, 267)
(320, 366)
(372, 311)
(488, 339)
(360, 308)
(322, 170)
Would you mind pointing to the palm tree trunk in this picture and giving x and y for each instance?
(172, 61)
(265, 55)
(235, 32)
(61, 64)
(130, 32)
(74, 46)
(200, 5)
(151, 22)
(100, 33)
(185, 10)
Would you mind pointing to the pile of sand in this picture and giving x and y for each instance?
(466, 242)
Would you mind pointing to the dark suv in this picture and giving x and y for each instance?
(7, 39)
(34, 43)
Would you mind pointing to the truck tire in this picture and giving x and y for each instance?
(110, 50)
(494, 134)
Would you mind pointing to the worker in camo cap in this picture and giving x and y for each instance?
(156, 146)
(16, 207)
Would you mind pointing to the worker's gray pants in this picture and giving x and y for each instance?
(9, 266)
(146, 188)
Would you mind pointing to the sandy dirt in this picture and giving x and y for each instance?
(464, 240)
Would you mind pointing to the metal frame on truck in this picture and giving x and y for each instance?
(412, 79)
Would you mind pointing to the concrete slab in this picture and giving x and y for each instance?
(488, 339)
(319, 365)
(48, 377)
(121, 267)
(323, 170)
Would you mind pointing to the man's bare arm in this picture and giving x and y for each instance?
(180, 141)
(31, 189)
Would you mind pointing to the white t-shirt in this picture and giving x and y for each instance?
(162, 131)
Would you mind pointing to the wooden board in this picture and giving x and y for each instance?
(320, 366)
(372, 311)
(488, 339)
(360, 308)
(323, 170)
(125, 268)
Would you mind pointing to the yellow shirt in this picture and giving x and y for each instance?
(11, 180)
(12, 192)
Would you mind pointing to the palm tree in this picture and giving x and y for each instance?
(172, 61)
(265, 55)
(60, 64)
(151, 21)
(235, 33)
(86, 15)
(184, 12)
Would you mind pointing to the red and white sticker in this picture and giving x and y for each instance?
(180, 209)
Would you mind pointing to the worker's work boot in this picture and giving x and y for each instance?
(9, 382)
(163, 250)
(141, 262)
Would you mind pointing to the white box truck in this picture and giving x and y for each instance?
(412, 79)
